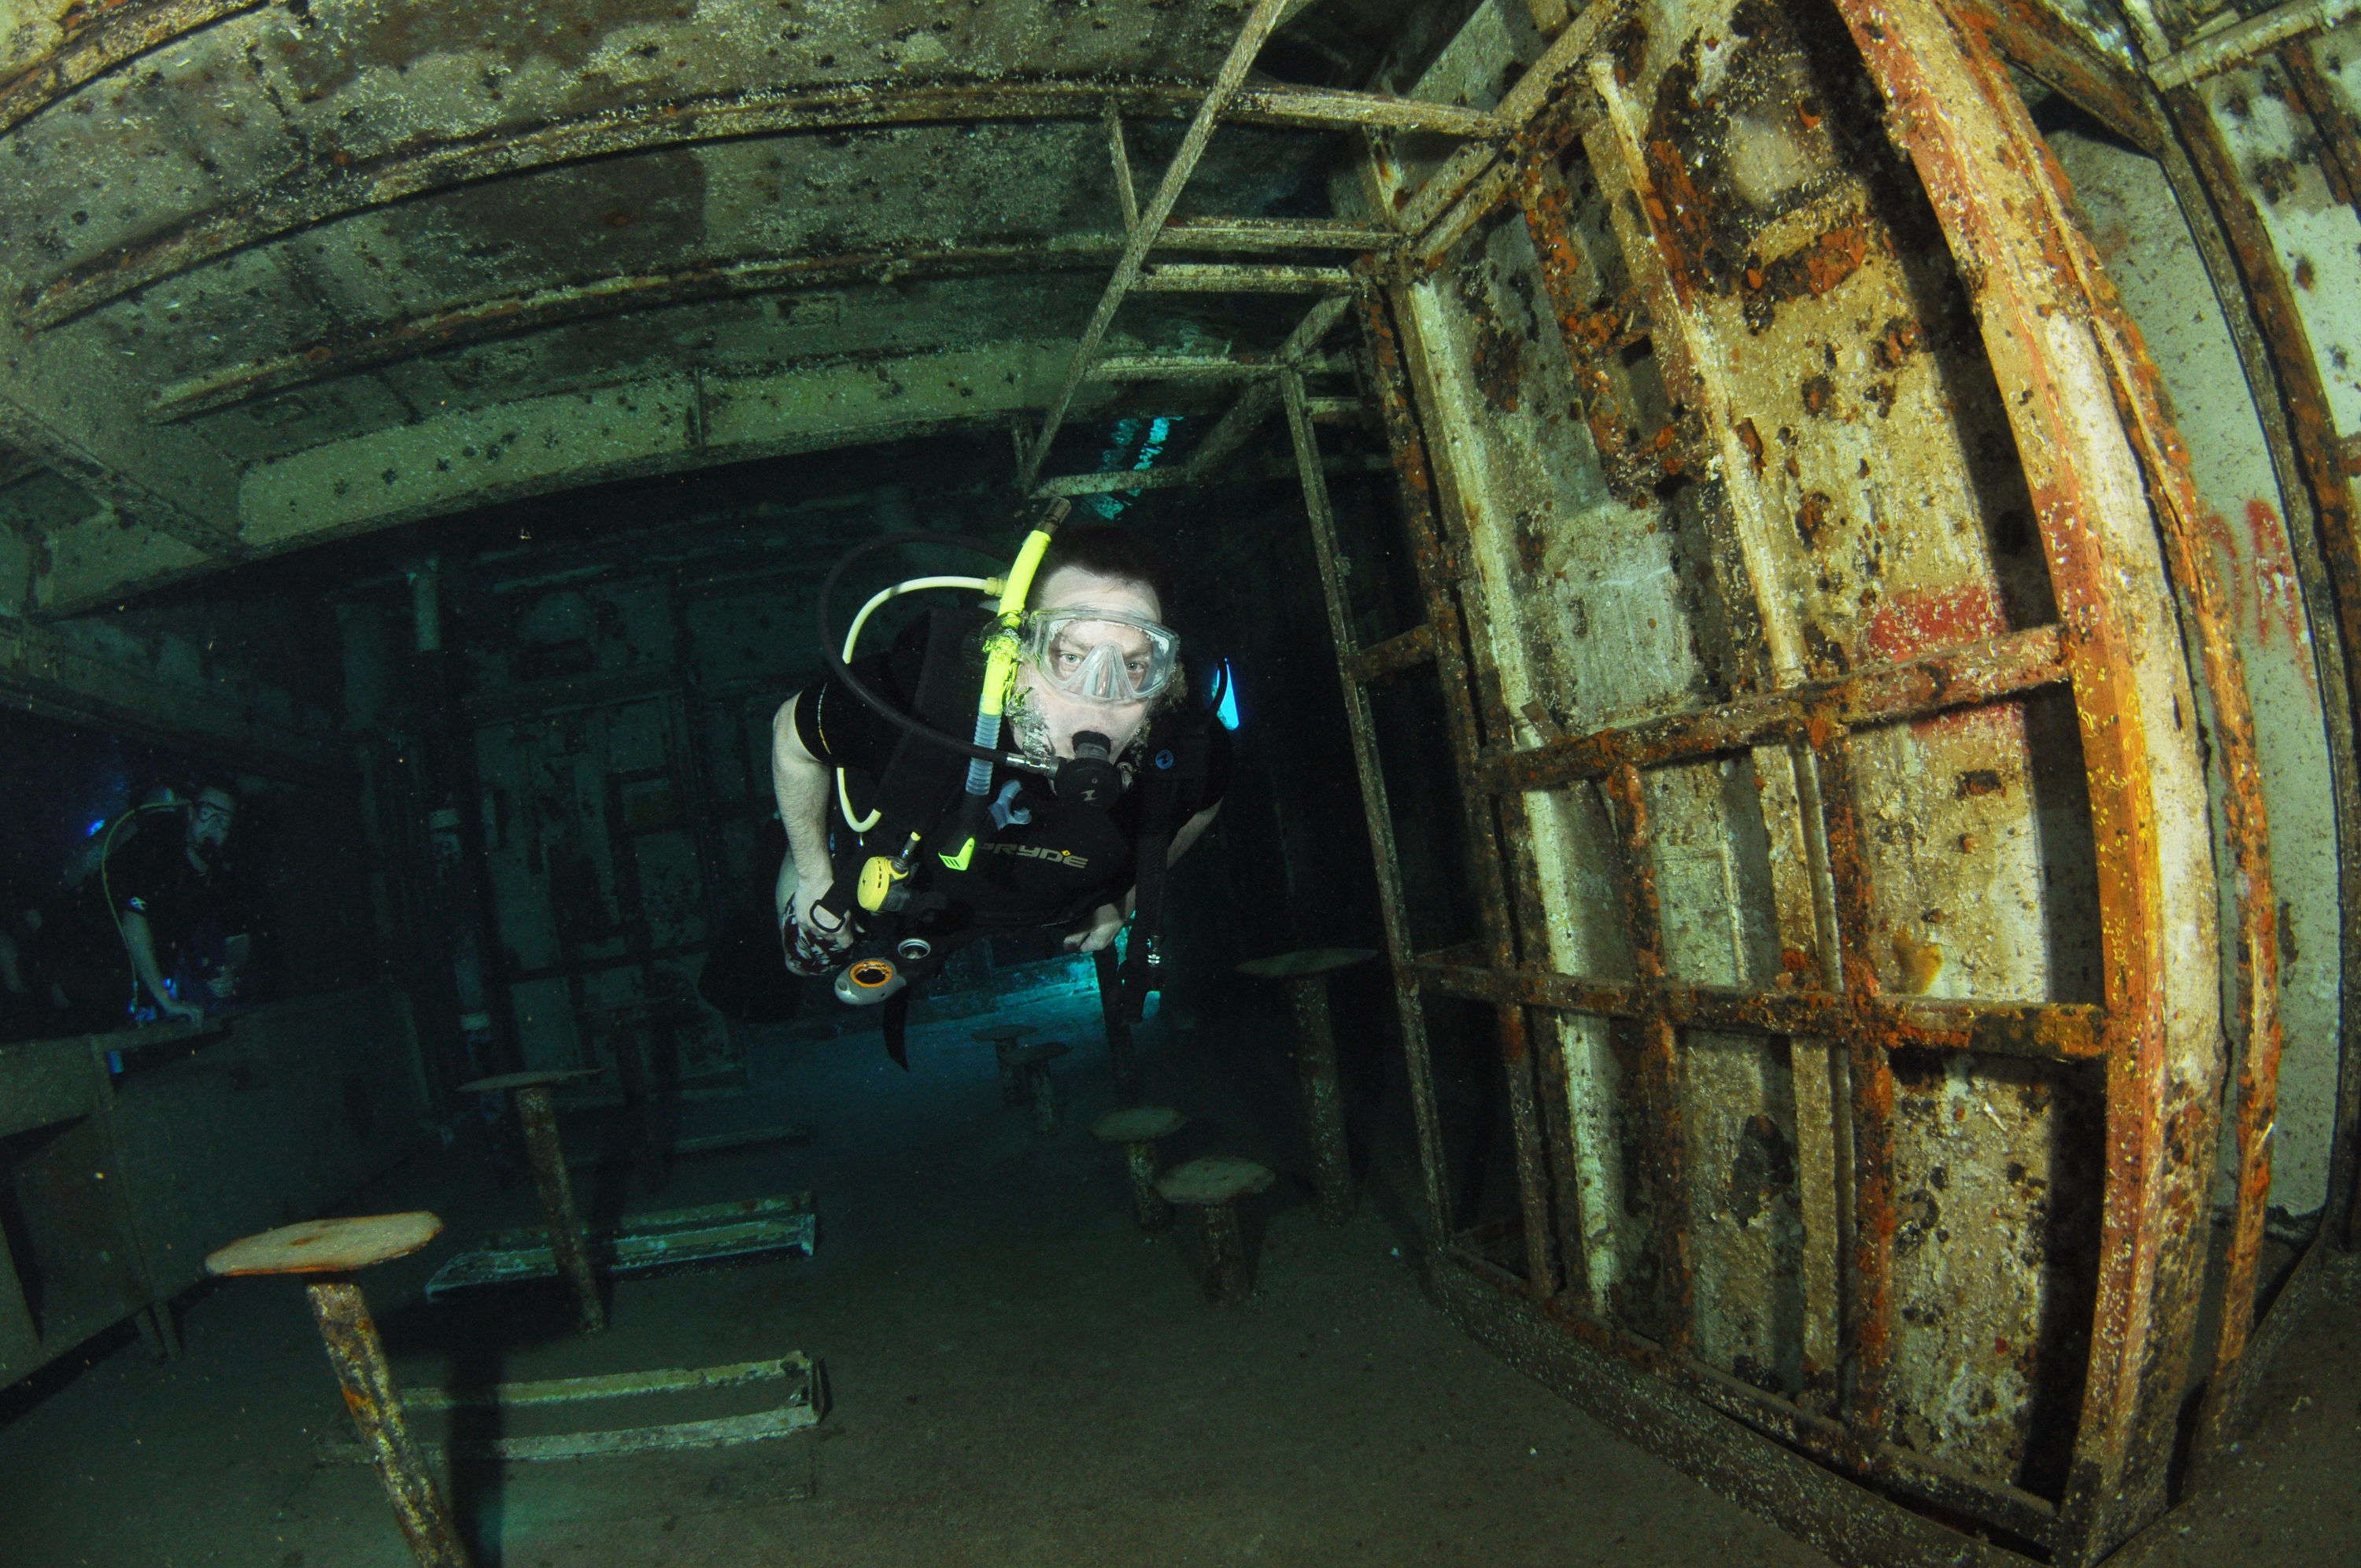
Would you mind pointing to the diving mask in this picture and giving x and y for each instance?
(1102, 655)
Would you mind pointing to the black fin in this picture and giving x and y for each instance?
(896, 1022)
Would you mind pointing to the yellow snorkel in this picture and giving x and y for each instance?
(1001, 656)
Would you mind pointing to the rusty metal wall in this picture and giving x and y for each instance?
(1829, 607)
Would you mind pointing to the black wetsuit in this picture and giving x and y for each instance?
(191, 915)
(1044, 862)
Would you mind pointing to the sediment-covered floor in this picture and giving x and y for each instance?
(1017, 1377)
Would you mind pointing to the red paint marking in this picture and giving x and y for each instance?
(2278, 602)
(2258, 582)
(1919, 622)
(1926, 620)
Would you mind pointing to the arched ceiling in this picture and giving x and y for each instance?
(281, 272)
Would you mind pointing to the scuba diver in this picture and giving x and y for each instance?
(177, 906)
(1040, 766)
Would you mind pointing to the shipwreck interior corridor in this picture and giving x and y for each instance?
(1217, 782)
(1017, 1375)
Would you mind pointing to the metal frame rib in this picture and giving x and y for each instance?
(1259, 24)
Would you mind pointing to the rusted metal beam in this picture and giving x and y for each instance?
(537, 1116)
(2243, 40)
(1952, 109)
(1559, 69)
(1762, 640)
(1257, 27)
(1179, 475)
(1867, 1321)
(2310, 430)
(2181, 515)
(326, 191)
(114, 36)
(1380, 660)
(1180, 368)
(1664, 1144)
(2284, 384)
(1377, 811)
(1879, 694)
(358, 1357)
(364, 348)
(1217, 277)
(2036, 39)
(2036, 1031)
(1274, 235)
(1261, 399)
(1435, 521)
(1127, 198)
(1589, 335)
(1326, 108)
(455, 327)
(1536, 145)
(2340, 142)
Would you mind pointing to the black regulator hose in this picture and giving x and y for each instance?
(837, 666)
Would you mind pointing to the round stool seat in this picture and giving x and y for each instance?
(529, 1079)
(326, 1246)
(1038, 1054)
(1141, 1123)
(1310, 961)
(1212, 1182)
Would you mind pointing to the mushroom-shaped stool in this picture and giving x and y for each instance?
(1136, 1130)
(1305, 975)
(1004, 1045)
(1032, 1064)
(537, 1116)
(1214, 1185)
(330, 1251)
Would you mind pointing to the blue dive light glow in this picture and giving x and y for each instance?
(1228, 712)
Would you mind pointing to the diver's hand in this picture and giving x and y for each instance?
(223, 985)
(175, 1011)
(816, 921)
(1106, 923)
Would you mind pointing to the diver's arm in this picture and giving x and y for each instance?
(141, 943)
(1191, 831)
(1108, 920)
(801, 782)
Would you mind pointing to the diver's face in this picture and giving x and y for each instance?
(210, 819)
(1055, 718)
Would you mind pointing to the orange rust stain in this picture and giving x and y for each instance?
(1837, 256)
(1752, 439)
